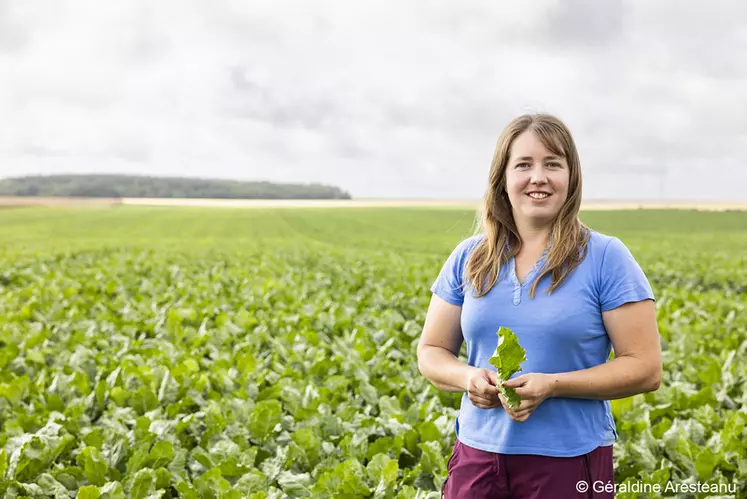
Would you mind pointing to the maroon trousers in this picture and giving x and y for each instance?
(477, 474)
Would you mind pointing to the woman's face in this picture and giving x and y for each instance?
(536, 180)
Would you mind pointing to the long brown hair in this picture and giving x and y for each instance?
(502, 241)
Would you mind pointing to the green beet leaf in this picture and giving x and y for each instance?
(93, 464)
(266, 415)
(89, 492)
(507, 360)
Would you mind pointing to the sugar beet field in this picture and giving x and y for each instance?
(229, 353)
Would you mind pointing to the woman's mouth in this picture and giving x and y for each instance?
(538, 195)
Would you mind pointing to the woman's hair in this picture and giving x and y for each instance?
(569, 236)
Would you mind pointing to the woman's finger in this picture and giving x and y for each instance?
(525, 408)
(504, 403)
(486, 406)
(484, 397)
(484, 403)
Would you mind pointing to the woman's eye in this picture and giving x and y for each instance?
(554, 165)
(522, 165)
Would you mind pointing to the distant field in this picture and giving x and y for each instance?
(356, 203)
(156, 351)
(373, 203)
(6, 201)
(376, 229)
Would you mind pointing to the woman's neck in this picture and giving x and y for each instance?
(534, 237)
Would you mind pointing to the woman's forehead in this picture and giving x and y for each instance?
(529, 145)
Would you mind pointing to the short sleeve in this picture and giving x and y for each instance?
(449, 283)
(621, 278)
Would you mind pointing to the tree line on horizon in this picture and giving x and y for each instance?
(136, 186)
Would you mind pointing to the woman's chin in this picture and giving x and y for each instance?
(538, 213)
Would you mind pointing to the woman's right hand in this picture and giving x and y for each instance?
(482, 388)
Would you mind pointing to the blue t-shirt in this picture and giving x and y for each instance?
(560, 332)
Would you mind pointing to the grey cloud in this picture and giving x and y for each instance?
(257, 104)
(580, 24)
(12, 37)
(129, 152)
(41, 151)
(123, 151)
(379, 98)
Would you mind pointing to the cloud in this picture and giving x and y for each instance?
(382, 99)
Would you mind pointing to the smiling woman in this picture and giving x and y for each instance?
(570, 294)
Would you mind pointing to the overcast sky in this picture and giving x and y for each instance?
(383, 99)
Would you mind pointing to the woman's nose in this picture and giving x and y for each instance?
(538, 176)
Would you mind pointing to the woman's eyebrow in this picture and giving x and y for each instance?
(529, 158)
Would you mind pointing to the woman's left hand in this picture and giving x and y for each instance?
(533, 389)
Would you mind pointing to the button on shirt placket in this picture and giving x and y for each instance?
(529, 277)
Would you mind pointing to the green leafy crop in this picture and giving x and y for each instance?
(263, 354)
(507, 360)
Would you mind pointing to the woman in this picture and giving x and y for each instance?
(569, 294)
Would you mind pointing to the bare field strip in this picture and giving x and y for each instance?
(373, 203)
(11, 201)
(18, 201)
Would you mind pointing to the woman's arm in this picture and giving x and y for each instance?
(439, 345)
(636, 367)
(438, 357)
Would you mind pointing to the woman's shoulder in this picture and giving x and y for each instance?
(607, 250)
(621, 278)
(461, 252)
(465, 246)
(599, 242)
(471, 242)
